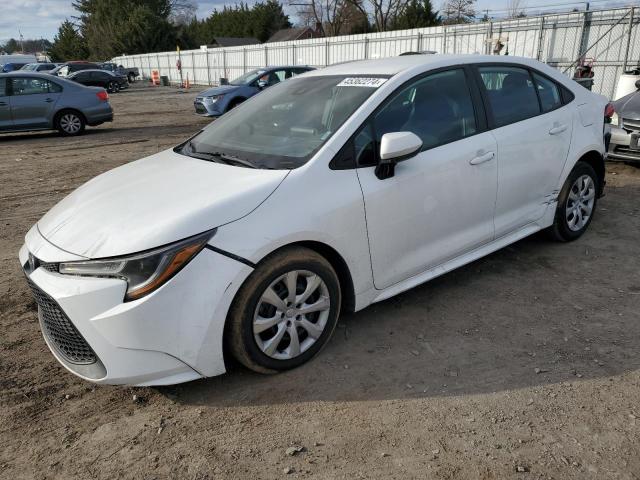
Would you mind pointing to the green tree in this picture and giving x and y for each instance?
(267, 18)
(68, 44)
(416, 14)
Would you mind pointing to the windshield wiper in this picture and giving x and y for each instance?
(219, 157)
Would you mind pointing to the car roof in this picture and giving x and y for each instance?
(91, 70)
(394, 65)
(27, 73)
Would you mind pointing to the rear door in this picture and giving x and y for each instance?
(533, 133)
(32, 100)
(5, 106)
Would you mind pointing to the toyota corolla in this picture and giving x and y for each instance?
(324, 194)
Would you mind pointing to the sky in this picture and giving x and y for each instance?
(41, 18)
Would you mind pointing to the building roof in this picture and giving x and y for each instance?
(288, 34)
(235, 41)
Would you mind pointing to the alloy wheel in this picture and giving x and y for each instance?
(580, 202)
(70, 123)
(291, 314)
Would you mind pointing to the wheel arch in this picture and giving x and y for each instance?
(235, 101)
(596, 160)
(57, 115)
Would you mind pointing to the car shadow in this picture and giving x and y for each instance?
(534, 313)
(48, 134)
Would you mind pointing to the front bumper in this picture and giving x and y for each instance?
(207, 109)
(623, 145)
(170, 336)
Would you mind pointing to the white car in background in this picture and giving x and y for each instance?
(334, 190)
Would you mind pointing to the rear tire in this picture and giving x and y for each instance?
(285, 312)
(576, 204)
(113, 87)
(70, 123)
(131, 77)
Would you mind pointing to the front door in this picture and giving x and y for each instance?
(440, 203)
(32, 100)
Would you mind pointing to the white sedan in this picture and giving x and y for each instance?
(326, 193)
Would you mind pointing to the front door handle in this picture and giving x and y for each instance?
(485, 157)
(49, 100)
(557, 130)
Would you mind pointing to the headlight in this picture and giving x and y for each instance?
(143, 272)
(213, 99)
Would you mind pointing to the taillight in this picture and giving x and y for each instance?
(609, 110)
(103, 96)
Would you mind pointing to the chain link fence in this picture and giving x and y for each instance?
(609, 38)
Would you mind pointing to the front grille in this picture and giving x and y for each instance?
(629, 124)
(626, 151)
(200, 108)
(59, 330)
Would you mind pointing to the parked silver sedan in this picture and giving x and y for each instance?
(625, 128)
(38, 101)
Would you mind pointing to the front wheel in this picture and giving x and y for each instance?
(576, 203)
(285, 312)
(113, 87)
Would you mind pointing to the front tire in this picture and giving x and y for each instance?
(285, 312)
(70, 123)
(576, 204)
(113, 87)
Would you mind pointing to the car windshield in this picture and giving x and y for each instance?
(248, 77)
(282, 127)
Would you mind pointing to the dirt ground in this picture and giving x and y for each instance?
(525, 364)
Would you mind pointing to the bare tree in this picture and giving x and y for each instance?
(515, 8)
(458, 11)
(182, 11)
(382, 12)
(323, 15)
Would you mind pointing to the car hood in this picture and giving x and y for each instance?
(222, 89)
(152, 202)
(628, 106)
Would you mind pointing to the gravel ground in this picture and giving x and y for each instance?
(524, 364)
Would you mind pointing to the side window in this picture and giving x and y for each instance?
(54, 87)
(548, 92)
(438, 108)
(29, 86)
(511, 94)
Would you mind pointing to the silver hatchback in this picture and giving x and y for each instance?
(38, 101)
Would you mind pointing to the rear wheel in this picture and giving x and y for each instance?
(70, 123)
(285, 312)
(113, 87)
(576, 203)
(131, 77)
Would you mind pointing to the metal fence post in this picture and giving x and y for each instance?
(244, 60)
(326, 53)
(489, 40)
(193, 65)
(293, 54)
(626, 50)
(540, 39)
(444, 39)
(366, 48)
(224, 62)
(266, 56)
(419, 42)
(206, 55)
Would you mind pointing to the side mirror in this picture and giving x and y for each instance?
(396, 147)
(262, 84)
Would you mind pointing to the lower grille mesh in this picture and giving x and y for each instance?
(59, 330)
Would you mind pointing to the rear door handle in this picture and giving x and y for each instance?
(557, 130)
(49, 100)
(485, 157)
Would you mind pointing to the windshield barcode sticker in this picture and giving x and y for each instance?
(362, 82)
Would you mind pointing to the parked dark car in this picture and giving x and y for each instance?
(218, 100)
(68, 68)
(38, 67)
(12, 67)
(111, 82)
(625, 128)
(39, 101)
(130, 73)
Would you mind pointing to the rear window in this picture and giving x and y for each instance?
(549, 93)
